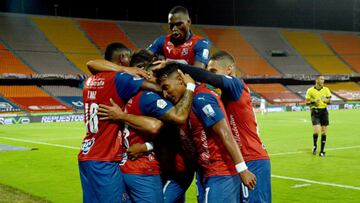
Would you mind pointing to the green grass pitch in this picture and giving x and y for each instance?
(51, 171)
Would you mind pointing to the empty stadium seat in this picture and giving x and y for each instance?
(316, 53)
(102, 33)
(275, 93)
(74, 44)
(9, 63)
(32, 99)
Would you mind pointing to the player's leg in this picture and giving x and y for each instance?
(324, 121)
(315, 119)
(222, 189)
(262, 190)
(103, 181)
(144, 188)
(200, 189)
(174, 189)
(173, 192)
(88, 193)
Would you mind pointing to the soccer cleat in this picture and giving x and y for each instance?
(314, 150)
(322, 154)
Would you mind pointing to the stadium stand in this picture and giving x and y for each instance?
(142, 34)
(74, 44)
(347, 46)
(247, 59)
(316, 53)
(346, 90)
(301, 90)
(102, 33)
(32, 99)
(9, 63)
(275, 93)
(33, 47)
(264, 40)
(72, 96)
(7, 106)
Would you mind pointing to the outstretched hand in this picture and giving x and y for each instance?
(137, 72)
(159, 65)
(113, 112)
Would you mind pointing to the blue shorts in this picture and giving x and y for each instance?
(101, 182)
(144, 188)
(176, 185)
(262, 191)
(223, 189)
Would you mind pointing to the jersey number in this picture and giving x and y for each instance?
(92, 121)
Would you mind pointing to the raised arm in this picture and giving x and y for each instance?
(100, 65)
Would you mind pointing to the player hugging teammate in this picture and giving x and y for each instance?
(146, 138)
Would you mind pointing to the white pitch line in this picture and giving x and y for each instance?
(300, 152)
(37, 142)
(316, 182)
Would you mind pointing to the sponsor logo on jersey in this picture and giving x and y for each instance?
(95, 82)
(208, 111)
(87, 144)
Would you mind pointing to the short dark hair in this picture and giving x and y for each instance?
(169, 68)
(143, 56)
(221, 55)
(115, 46)
(179, 9)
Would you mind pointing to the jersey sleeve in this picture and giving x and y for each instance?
(153, 105)
(127, 85)
(202, 51)
(157, 46)
(207, 109)
(232, 87)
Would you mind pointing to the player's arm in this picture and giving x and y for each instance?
(202, 53)
(101, 65)
(143, 123)
(157, 46)
(208, 110)
(179, 113)
(222, 129)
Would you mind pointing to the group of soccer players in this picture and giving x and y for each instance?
(151, 125)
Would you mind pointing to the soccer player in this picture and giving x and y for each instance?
(182, 45)
(101, 148)
(318, 97)
(141, 175)
(118, 53)
(237, 101)
(217, 152)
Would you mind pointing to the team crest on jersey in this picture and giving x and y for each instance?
(184, 51)
(160, 103)
(86, 145)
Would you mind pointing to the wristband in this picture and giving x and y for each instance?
(149, 146)
(240, 167)
(190, 86)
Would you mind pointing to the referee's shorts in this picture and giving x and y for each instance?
(320, 116)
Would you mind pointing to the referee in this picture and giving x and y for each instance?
(318, 97)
